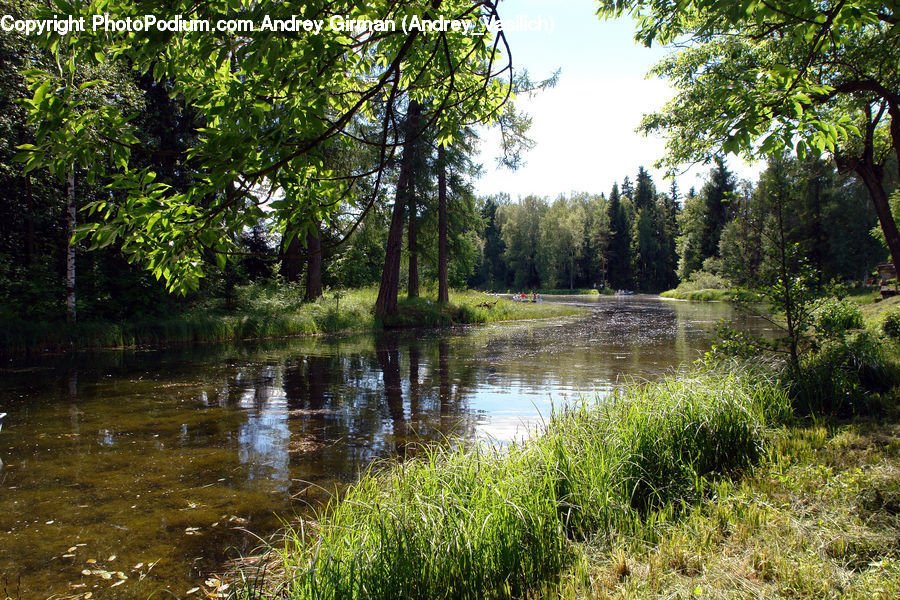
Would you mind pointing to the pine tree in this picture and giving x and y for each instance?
(644, 194)
(716, 194)
(619, 252)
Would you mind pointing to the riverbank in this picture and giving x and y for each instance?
(819, 518)
(711, 483)
(271, 312)
(705, 295)
(560, 292)
(483, 522)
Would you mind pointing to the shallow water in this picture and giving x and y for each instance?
(150, 468)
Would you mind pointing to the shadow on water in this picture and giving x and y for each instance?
(153, 466)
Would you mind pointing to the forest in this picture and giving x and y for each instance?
(151, 235)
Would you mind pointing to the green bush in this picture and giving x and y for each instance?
(891, 324)
(701, 280)
(844, 376)
(833, 317)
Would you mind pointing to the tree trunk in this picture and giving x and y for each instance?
(29, 219)
(291, 264)
(572, 271)
(386, 304)
(71, 315)
(443, 287)
(883, 210)
(412, 286)
(314, 264)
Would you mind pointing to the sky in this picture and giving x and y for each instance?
(584, 128)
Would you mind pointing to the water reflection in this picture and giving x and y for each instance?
(167, 458)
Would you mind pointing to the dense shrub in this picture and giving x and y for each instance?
(833, 317)
(891, 324)
(844, 376)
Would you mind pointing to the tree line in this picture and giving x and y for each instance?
(638, 238)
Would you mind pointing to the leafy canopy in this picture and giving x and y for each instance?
(274, 108)
(755, 77)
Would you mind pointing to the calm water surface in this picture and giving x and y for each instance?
(151, 468)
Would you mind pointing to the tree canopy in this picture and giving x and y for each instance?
(271, 109)
(757, 78)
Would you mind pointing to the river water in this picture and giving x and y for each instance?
(128, 472)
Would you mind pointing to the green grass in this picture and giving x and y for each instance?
(706, 295)
(267, 312)
(875, 311)
(557, 291)
(820, 518)
(496, 523)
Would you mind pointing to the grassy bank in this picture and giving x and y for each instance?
(705, 287)
(559, 291)
(704, 295)
(486, 523)
(819, 519)
(726, 481)
(266, 312)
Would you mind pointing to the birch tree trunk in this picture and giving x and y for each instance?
(71, 315)
(443, 287)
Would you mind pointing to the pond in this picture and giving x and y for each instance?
(128, 472)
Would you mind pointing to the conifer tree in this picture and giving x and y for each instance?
(620, 241)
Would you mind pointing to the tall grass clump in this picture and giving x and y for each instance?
(494, 523)
(654, 444)
(453, 524)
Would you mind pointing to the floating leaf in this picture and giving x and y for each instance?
(138, 566)
(92, 561)
(72, 549)
(85, 572)
(193, 590)
(68, 556)
(121, 575)
(111, 558)
(117, 583)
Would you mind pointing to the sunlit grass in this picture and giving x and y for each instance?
(706, 295)
(819, 519)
